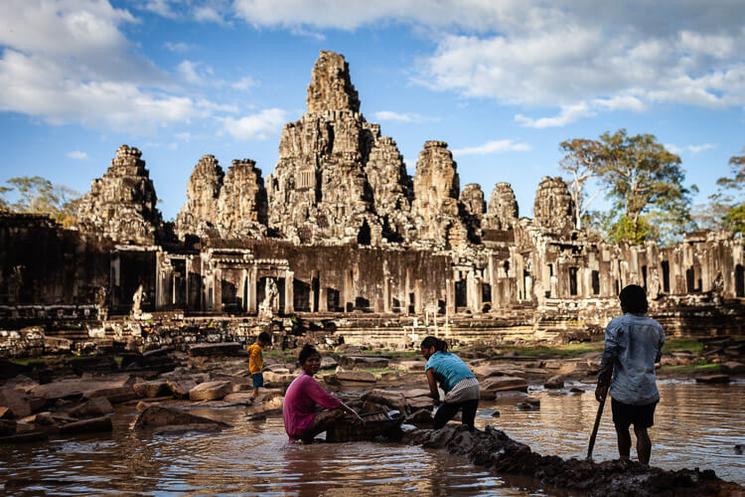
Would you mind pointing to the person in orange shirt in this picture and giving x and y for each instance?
(256, 360)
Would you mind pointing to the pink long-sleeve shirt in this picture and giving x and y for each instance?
(299, 407)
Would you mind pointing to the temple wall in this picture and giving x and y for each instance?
(42, 263)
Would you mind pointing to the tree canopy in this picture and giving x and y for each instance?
(726, 208)
(643, 181)
(38, 195)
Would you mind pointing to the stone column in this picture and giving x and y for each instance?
(449, 297)
(252, 304)
(289, 292)
(347, 295)
(407, 291)
(187, 273)
(473, 285)
(387, 294)
(418, 297)
(217, 292)
(323, 300)
(312, 293)
(244, 292)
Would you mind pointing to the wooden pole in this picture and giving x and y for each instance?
(594, 434)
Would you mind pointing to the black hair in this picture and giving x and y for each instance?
(307, 351)
(634, 299)
(439, 345)
(265, 337)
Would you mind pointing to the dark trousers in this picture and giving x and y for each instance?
(446, 412)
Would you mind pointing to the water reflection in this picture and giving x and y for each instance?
(696, 426)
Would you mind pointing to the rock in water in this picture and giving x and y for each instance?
(157, 417)
(211, 390)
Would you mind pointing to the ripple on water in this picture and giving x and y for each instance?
(697, 425)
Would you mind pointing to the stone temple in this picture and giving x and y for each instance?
(339, 231)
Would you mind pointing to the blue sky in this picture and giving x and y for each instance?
(503, 82)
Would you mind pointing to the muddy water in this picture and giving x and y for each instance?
(697, 426)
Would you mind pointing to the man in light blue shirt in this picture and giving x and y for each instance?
(633, 344)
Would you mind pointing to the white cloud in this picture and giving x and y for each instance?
(69, 61)
(208, 13)
(165, 8)
(692, 149)
(564, 53)
(39, 87)
(195, 73)
(401, 117)
(244, 84)
(257, 126)
(568, 114)
(177, 46)
(493, 147)
(77, 155)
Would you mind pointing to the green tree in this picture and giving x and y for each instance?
(581, 162)
(726, 207)
(4, 203)
(642, 179)
(727, 204)
(38, 195)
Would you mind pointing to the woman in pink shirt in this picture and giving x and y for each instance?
(303, 418)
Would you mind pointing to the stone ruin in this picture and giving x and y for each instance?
(122, 204)
(342, 230)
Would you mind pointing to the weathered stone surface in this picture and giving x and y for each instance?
(7, 427)
(318, 190)
(733, 367)
(98, 406)
(502, 211)
(180, 388)
(474, 207)
(215, 349)
(491, 386)
(391, 189)
(15, 402)
(211, 390)
(242, 204)
(327, 362)
(529, 405)
(488, 371)
(240, 398)
(350, 378)
(91, 425)
(111, 387)
(122, 204)
(359, 362)
(197, 216)
(410, 400)
(713, 378)
(553, 208)
(554, 382)
(151, 388)
(436, 205)
(278, 379)
(27, 437)
(158, 416)
(330, 87)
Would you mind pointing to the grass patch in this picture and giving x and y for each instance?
(682, 345)
(697, 367)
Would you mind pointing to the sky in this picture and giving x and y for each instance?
(502, 82)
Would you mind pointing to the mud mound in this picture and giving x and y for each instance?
(493, 449)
